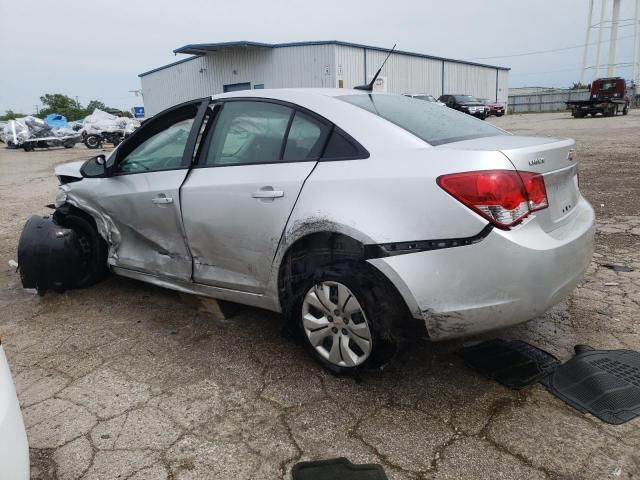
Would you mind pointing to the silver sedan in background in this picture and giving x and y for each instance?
(351, 212)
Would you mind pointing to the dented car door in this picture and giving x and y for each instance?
(239, 195)
(142, 196)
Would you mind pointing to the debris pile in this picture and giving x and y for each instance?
(100, 121)
(31, 132)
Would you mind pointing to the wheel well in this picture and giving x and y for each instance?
(68, 209)
(316, 250)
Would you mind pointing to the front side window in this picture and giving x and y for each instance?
(248, 132)
(162, 151)
(428, 121)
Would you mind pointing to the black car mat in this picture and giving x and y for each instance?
(513, 363)
(605, 383)
(336, 469)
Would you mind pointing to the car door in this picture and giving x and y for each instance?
(141, 195)
(238, 198)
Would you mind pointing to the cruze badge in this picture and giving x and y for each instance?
(537, 161)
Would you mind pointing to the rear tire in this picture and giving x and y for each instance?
(345, 313)
(93, 141)
(94, 249)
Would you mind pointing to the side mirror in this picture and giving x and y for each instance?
(95, 167)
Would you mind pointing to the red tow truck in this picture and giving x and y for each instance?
(608, 96)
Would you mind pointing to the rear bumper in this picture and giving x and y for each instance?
(14, 449)
(508, 278)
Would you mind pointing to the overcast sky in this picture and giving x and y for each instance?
(95, 50)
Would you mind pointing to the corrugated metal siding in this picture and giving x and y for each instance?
(311, 66)
(349, 66)
(174, 85)
(503, 86)
(314, 66)
(304, 66)
(545, 102)
(407, 74)
(469, 80)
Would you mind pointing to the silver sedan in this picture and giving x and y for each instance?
(348, 211)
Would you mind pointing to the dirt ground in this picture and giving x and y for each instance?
(129, 381)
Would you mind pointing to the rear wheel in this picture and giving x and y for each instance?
(345, 315)
(92, 141)
(93, 249)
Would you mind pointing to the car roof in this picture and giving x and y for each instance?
(372, 131)
(284, 93)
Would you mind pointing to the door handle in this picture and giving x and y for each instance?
(162, 199)
(267, 192)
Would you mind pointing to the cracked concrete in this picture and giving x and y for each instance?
(128, 381)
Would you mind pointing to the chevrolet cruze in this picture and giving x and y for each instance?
(348, 211)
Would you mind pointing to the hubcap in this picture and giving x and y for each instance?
(336, 325)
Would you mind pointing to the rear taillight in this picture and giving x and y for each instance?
(504, 197)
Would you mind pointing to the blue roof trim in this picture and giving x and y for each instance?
(199, 49)
(169, 65)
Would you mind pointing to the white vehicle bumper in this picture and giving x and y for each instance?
(508, 278)
(14, 449)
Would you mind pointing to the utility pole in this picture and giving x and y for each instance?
(615, 19)
(586, 42)
(37, 109)
(636, 46)
(77, 102)
(603, 4)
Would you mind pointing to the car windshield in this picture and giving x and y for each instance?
(432, 123)
(607, 86)
(466, 99)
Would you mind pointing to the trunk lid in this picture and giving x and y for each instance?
(549, 157)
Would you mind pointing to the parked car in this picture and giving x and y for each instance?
(466, 104)
(495, 108)
(424, 96)
(14, 449)
(348, 211)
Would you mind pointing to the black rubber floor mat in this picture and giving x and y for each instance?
(512, 363)
(605, 383)
(336, 469)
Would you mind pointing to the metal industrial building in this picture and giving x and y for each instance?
(218, 67)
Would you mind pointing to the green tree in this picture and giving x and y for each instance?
(579, 86)
(11, 115)
(62, 104)
(93, 104)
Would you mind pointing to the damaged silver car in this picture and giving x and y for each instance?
(349, 211)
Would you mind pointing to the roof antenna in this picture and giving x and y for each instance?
(369, 86)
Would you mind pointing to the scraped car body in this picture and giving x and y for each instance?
(14, 449)
(228, 230)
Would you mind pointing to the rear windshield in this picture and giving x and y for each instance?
(430, 122)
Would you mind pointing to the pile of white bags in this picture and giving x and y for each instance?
(18, 131)
(100, 121)
(15, 132)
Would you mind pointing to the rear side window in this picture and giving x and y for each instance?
(430, 122)
(340, 147)
(247, 133)
(306, 138)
